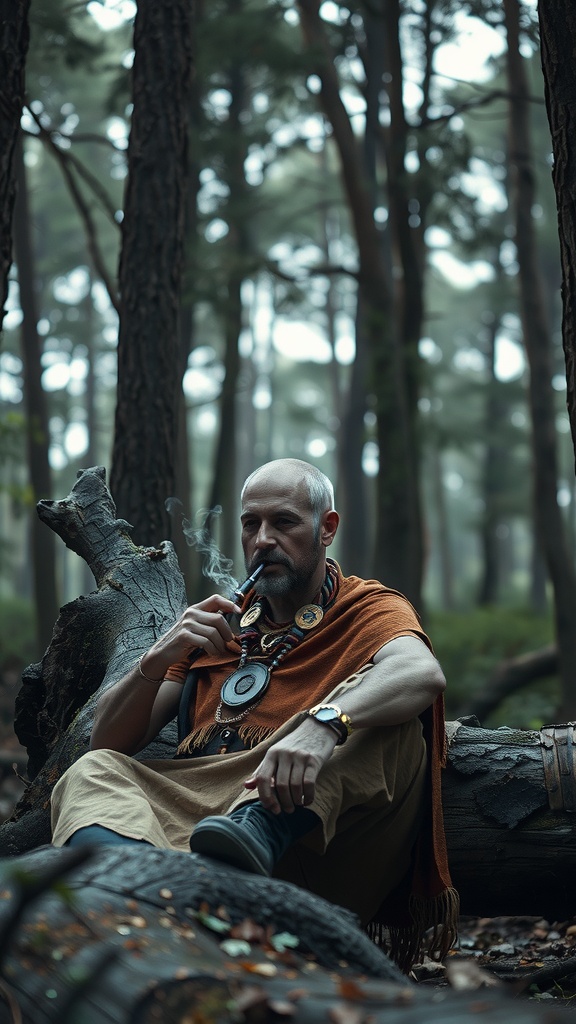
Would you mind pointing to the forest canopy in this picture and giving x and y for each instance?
(352, 251)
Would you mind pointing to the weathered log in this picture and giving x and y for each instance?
(96, 640)
(132, 939)
(508, 852)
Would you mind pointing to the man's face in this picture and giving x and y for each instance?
(278, 529)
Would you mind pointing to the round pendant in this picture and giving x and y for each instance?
(308, 616)
(245, 685)
(252, 615)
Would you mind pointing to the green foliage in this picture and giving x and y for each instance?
(469, 646)
(17, 631)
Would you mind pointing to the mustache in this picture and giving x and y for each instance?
(273, 560)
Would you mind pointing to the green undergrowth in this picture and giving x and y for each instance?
(469, 646)
(17, 633)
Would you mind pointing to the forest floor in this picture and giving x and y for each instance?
(527, 956)
(524, 956)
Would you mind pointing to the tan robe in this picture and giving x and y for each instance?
(368, 798)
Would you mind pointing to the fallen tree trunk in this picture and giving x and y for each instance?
(131, 938)
(502, 833)
(510, 851)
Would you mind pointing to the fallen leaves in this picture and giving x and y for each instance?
(466, 976)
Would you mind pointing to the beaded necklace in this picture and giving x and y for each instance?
(264, 645)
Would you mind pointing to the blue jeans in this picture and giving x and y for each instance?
(97, 835)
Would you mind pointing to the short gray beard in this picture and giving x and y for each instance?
(291, 579)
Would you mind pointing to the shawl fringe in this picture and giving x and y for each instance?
(407, 944)
(250, 735)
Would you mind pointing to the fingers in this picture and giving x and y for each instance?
(201, 625)
(208, 630)
(285, 781)
(264, 781)
(217, 603)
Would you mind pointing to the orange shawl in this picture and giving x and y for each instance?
(364, 617)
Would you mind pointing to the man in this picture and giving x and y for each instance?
(303, 752)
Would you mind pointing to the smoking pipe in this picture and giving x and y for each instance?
(243, 589)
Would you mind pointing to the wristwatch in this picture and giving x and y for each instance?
(332, 715)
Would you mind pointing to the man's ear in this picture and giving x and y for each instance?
(328, 527)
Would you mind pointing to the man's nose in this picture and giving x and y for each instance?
(265, 537)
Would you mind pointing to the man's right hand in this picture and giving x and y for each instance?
(129, 714)
(201, 625)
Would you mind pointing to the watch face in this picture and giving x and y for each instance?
(326, 714)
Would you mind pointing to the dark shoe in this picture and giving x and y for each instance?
(251, 837)
(224, 839)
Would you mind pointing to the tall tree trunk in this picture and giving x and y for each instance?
(182, 473)
(558, 40)
(90, 457)
(356, 530)
(538, 348)
(189, 562)
(492, 478)
(225, 484)
(37, 431)
(14, 35)
(145, 439)
(407, 255)
(398, 557)
(446, 561)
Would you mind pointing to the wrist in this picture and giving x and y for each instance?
(147, 674)
(328, 735)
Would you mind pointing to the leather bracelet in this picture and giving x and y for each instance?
(143, 674)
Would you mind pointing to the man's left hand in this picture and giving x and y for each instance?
(286, 778)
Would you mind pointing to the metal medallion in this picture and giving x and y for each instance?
(269, 640)
(251, 615)
(246, 685)
(308, 616)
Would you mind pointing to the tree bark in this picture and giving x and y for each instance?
(538, 348)
(138, 939)
(146, 426)
(558, 43)
(96, 640)
(14, 36)
(509, 852)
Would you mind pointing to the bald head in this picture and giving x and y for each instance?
(296, 474)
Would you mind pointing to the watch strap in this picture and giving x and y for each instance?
(340, 723)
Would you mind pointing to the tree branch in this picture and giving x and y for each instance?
(319, 269)
(509, 676)
(66, 160)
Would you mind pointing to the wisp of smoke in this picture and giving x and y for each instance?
(215, 566)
